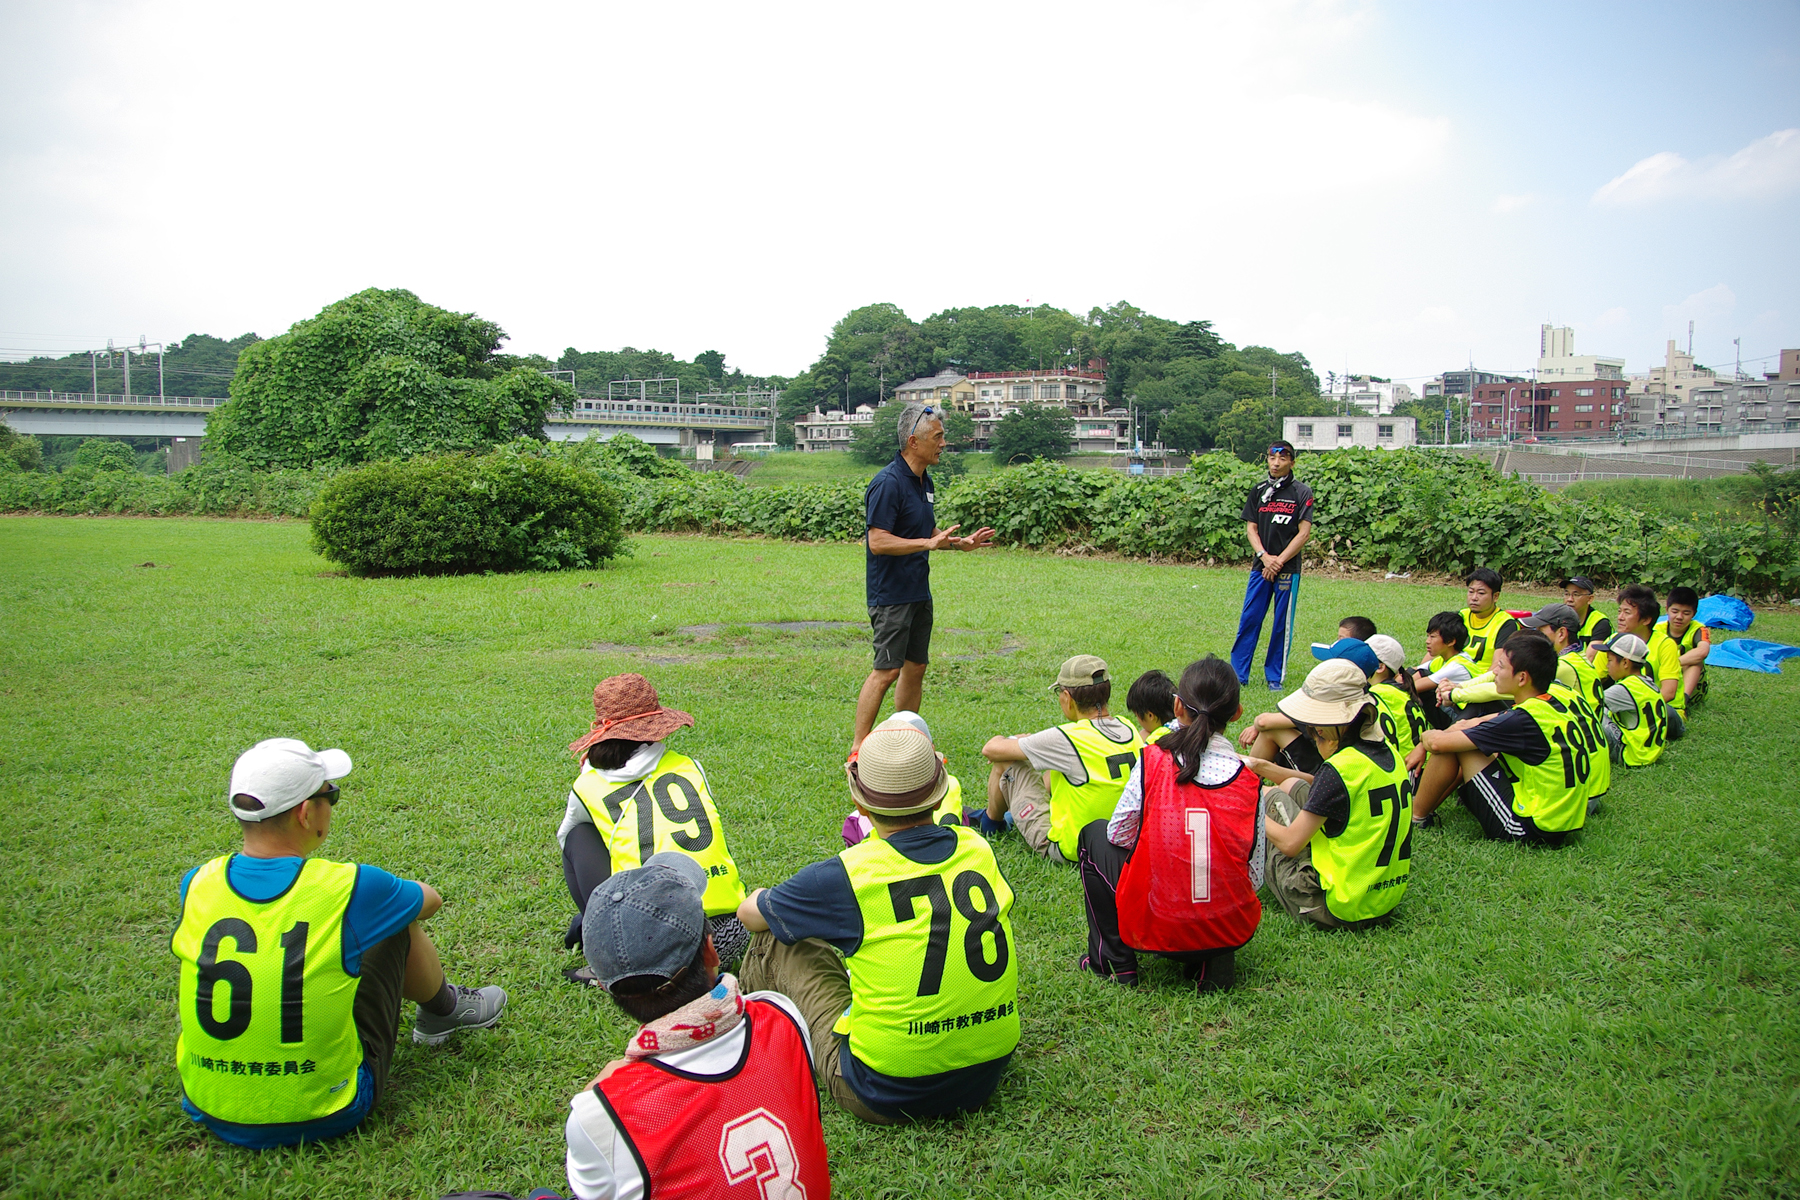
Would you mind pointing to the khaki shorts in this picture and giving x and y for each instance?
(1027, 798)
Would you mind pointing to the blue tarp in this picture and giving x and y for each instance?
(1748, 654)
(1724, 612)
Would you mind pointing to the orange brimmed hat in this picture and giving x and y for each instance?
(626, 708)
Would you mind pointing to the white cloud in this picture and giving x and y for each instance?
(1512, 203)
(1765, 168)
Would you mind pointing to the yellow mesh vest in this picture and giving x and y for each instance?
(669, 809)
(1644, 745)
(267, 1033)
(1363, 870)
(1554, 794)
(1403, 722)
(1588, 720)
(934, 985)
(1108, 764)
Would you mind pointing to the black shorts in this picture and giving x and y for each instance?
(376, 1009)
(1489, 798)
(902, 634)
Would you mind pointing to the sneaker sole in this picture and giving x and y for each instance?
(422, 1038)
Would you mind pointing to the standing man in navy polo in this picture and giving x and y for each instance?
(902, 531)
(1277, 520)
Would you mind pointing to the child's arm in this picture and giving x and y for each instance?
(1263, 723)
(1702, 648)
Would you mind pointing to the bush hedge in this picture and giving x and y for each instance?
(1413, 510)
(446, 514)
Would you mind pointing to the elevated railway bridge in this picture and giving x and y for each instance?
(720, 419)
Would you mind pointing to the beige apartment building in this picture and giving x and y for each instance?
(946, 388)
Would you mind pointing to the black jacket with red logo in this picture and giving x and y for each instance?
(1278, 508)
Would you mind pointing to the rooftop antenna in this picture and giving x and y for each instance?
(1690, 339)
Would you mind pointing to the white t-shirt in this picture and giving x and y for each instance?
(1051, 749)
(599, 1161)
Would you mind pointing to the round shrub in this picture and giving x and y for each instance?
(451, 514)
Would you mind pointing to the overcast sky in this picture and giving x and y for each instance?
(1388, 187)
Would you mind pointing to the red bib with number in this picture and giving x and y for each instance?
(752, 1133)
(1187, 884)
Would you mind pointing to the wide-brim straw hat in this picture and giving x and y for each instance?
(1334, 693)
(626, 708)
(897, 772)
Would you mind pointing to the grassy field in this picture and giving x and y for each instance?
(1612, 1019)
(1738, 497)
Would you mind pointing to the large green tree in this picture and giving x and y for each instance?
(1032, 431)
(380, 374)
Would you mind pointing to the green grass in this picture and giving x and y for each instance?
(1735, 496)
(1616, 1018)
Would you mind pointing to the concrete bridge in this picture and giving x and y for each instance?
(666, 423)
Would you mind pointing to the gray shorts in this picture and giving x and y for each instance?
(902, 634)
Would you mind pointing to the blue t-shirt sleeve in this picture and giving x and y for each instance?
(817, 902)
(381, 906)
(185, 880)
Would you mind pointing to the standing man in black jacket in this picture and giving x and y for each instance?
(1277, 520)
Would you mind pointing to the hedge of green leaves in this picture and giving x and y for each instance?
(1387, 510)
(457, 513)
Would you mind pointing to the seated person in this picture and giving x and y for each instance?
(737, 1067)
(1525, 773)
(1577, 685)
(1151, 703)
(1691, 638)
(1144, 890)
(1637, 718)
(1480, 696)
(1340, 848)
(1050, 784)
(1488, 624)
(1273, 738)
(636, 797)
(912, 1029)
(1360, 628)
(292, 968)
(1445, 637)
(1638, 610)
(1402, 719)
(1595, 627)
(949, 810)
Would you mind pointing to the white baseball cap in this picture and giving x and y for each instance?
(277, 774)
(1388, 650)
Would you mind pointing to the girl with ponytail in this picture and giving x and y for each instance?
(1175, 871)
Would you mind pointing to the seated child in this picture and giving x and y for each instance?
(1525, 774)
(857, 825)
(1273, 737)
(1691, 638)
(1445, 637)
(1637, 718)
(1151, 703)
(1340, 848)
(1403, 722)
(635, 797)
(1144, 889)
(1051, 783)
(1360, 628)
(1638, 610)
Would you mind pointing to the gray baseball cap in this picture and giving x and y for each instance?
(646, 921)
(1559, 614)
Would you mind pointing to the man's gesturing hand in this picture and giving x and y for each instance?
(975, 541)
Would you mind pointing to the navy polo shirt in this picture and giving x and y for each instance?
(899, 502)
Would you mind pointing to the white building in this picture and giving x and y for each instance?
(1557, 359)
(1335, 433)
(1375, 397)
(1079, 391)
(829, 430)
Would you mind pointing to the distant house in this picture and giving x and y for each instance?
(1336, 433)
(946, 388)
(829, 430)
(1078, 391)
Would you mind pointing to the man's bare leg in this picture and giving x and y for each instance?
(1441, 776)
(868, 701)
(911, 691)
(1271, 742)
(424, 972)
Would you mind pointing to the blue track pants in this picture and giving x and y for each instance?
(1285, 592)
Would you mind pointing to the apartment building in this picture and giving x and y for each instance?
(946, 388)
(1080, 391)
(829, 430)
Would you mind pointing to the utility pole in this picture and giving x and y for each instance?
(1272, 375)
(1737, 373)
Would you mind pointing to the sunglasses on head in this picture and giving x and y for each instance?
(1274, 451)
